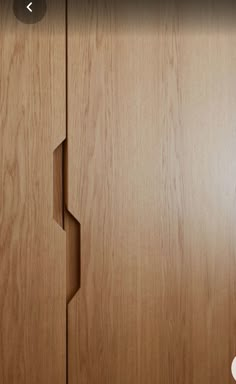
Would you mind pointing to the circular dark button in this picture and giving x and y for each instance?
(29, 12)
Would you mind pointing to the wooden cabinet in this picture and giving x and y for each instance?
(117, 198)
(32, 244)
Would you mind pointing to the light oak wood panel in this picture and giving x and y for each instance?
(151, 178)
(32, 245)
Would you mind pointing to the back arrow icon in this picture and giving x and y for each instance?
(28, 6)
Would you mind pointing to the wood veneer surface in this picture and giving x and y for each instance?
(32, 244)
(151, 178)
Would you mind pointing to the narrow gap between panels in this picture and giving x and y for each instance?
(65, 179)
(60, 212)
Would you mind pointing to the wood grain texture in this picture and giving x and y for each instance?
(32, 245)
(151, 178)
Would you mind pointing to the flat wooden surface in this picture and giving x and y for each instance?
(32, 245)
(151, 177)
(152, 180)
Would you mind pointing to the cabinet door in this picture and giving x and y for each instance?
(32, 244)
(152, 180)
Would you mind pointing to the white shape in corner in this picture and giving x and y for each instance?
(28, 7)
(233, 368)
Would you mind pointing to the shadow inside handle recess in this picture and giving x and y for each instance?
(71, 226)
